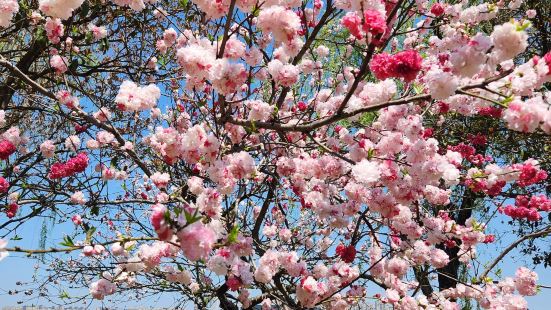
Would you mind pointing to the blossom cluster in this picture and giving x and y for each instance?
(69, 168)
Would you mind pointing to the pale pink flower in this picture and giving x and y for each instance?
(78, 198)
(59, 64)
(59, 8)
(8, 8)
(197, 241)
(47, 148)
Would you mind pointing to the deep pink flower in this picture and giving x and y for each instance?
(57, 171)
(437, 9)
(380, 66)
(530, 175)
(347, 253)
(12, 210)
(159, 222)
(74, 165)
(4, 185)
(489, 239)
(375, 23)
(6, 149)
(406, 64)
(234, 283)
(547, 58)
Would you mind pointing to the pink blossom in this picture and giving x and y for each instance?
(59, 64)
(353, 23)
(78, 198)
(439, 258)
(197, 241)
(525, 281)
(508, 41)
(366, 172)
(169, 36)
(530, 173)
(6, 149)
(11, 210)
(66, 99)
(76, 219)
(98, 32)
(524, 116)
(102, 288)
(4, 185)
(437, 9)
(213, 9)
(136, 5)
(8, 8)
(72, 143)
(197, 59)
(309, 291)
(227, 77)
(159, 222)
(406, 65)
(59, 8)
(375, 23)
(160, 179)
(74, 165)
(283, 24)
(102, 115)
(117, 249)
(283, 74)
(397, 266)
(54, 30)
(234, 49)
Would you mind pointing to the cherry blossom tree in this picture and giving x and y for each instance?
(293, 154)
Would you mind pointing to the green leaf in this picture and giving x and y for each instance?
(161, 61)
(256, 11)
(367, 119)
(64, 295)
(130, 247)
(67, 241)
(183, 3)
(232, 237)
(507, 100)
(370, 154)
(191, 218)
(418, 88)
(89, 232)
(40, 35)
(524, 26)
